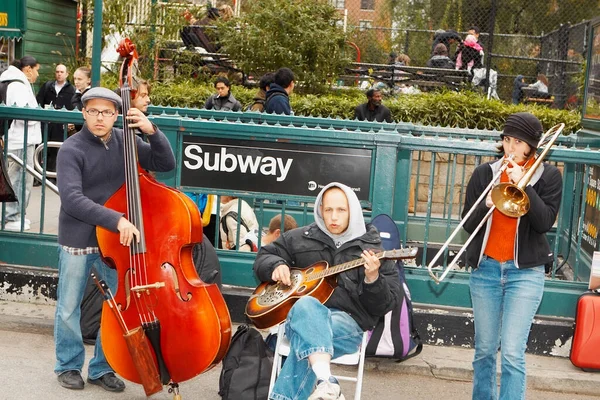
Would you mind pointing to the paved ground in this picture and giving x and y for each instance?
(27, 359)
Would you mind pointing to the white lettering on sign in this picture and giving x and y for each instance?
(226, 162)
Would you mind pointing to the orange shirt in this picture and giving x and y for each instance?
(501, 241)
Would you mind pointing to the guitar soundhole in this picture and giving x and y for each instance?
(301, 289)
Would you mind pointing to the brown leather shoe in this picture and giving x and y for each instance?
(71, 380)
(108, 382)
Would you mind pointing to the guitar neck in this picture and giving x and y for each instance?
(340, 268)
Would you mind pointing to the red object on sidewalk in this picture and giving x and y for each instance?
(585, 349)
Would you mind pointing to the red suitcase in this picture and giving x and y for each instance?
(585, 349)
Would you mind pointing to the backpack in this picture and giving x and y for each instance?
(246, 372)
(5, 123)
(260, 102)
(91, 311)
(395, 335)
(247, 239)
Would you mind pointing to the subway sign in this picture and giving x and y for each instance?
(273, 167)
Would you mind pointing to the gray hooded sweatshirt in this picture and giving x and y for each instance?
(356, 225)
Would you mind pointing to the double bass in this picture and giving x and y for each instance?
(183, 321)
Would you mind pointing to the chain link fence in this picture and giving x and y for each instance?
(518, 37)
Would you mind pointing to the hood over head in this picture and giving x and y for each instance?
(356, 223)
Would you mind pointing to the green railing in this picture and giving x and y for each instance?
(438, 160)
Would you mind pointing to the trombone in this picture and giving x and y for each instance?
(509, 198)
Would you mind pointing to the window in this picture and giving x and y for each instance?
(339, 4)
(7, 52)
(364, 25)
(367, 4)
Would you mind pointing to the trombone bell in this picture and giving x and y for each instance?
(510, 200)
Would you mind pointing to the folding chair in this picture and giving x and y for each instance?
(282, 349)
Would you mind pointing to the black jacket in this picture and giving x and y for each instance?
(47, 95)
(470, 54)
(228, 103)
(531, 246)
(440, 62)
(380, 114)
(302, 247)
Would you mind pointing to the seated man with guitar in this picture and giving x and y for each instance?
(318, 332)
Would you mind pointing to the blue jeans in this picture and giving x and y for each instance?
(505, 300)
(73, 273)
(313, 328)
(15, 174)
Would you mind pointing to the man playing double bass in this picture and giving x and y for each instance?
(318, 332)
(90, 169)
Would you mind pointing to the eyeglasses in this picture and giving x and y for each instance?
(105, 113)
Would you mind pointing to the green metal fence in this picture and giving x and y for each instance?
(437, 160)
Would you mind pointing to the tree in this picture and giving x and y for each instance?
(300, 34)
(149, 23)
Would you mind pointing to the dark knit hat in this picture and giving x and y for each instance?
(524, 126)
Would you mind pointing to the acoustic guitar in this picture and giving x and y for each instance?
(270, 303)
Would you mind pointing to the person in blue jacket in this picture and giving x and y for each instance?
(278, 95)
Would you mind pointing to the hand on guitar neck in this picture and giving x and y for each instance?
(372, 265)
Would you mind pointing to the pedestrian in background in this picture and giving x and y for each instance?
(56, 94)
(373, 110)
(223, 99)
(21, 75)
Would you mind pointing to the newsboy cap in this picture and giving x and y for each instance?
(104, 94)
(524, 126)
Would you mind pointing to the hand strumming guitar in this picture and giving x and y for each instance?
(282, 274)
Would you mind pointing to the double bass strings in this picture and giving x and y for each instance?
(137, 256)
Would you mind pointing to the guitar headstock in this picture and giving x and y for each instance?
(400, 254)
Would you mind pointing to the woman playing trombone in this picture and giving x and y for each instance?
(508, 256)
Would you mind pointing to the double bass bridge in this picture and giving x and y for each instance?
(144, 288)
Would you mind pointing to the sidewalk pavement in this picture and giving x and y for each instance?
(552, 374)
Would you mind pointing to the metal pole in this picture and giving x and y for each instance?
(97, 43)
(560, 91)
(491, 28)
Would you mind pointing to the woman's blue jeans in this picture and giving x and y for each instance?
(73, 273)
(505, 300)
(313, 328)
